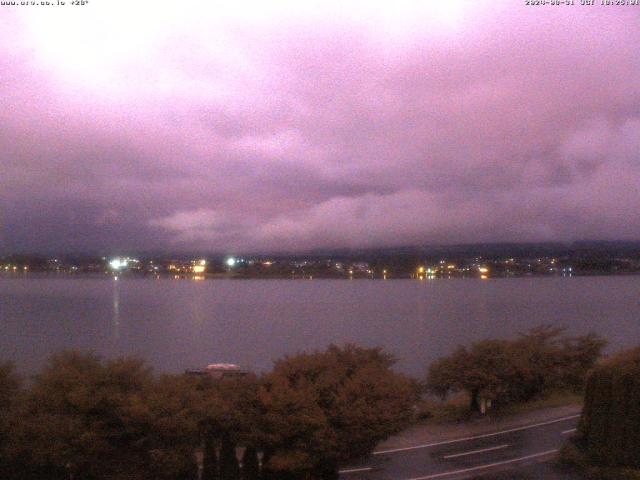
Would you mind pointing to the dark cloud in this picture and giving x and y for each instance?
(296, 127)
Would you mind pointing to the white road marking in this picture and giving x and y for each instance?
(484, 467)
(355, 470)
(567, 432)
(465, 439)
(472, 452)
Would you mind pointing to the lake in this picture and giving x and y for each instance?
(179, 324)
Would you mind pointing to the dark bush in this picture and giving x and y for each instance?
(510, 371)
(92, 419)
(610, 424)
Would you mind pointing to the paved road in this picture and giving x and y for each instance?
(522, 452)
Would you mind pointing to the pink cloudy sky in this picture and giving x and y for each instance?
(240, 126)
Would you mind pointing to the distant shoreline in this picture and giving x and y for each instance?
(213, 276)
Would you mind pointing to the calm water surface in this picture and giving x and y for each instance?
(177, 324)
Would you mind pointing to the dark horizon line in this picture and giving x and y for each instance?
(337, 251)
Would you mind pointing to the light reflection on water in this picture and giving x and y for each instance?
(116, 309)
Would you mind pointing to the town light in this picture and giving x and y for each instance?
(199, 267)
(231, 261)
(117, 263)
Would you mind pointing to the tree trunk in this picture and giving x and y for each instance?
(475, 404)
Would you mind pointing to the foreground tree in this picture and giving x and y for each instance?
(488, 370)
(325, 407)
(609, 431)
(507, 371)
(229, 419)
(578, 356)
(85, 418)
(175, 410)
(109, 420)
(9, 394)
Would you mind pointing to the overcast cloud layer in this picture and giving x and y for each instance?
(267, 126)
